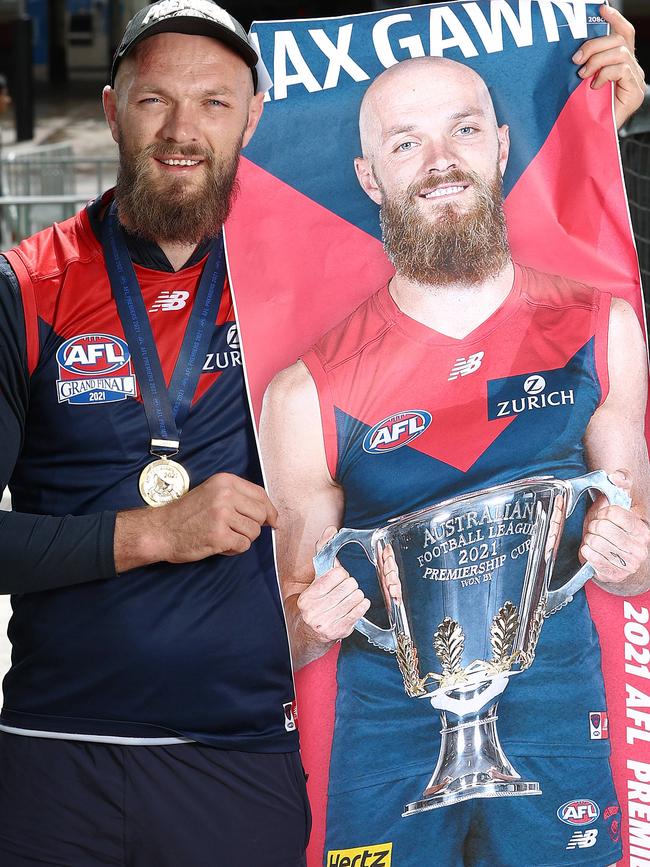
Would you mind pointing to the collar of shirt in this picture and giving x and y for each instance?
(145, 253)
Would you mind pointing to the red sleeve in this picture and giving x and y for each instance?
(30, 315)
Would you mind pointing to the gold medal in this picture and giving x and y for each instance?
(163, 481)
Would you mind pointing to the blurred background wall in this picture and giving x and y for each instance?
(76, 38)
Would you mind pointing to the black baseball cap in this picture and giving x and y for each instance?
(194, 17)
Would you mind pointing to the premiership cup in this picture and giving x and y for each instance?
(466, 588)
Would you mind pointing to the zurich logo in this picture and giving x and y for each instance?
(396, 430)
(582, 811)
(88, 354)
(535, 384)
(232, 337)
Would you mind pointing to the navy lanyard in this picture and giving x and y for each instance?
(166, 410)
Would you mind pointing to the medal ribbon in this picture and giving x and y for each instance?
(165, 409)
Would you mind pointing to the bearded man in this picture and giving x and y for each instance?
(456, 333)
(147, 717)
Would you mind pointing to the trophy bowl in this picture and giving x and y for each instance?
(466, 587)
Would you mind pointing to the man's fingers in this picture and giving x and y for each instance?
(254, 509)
(594, 51)
(327, 534)
(325, 584)
(611, 58)
(622, 478)
(339, 623)
(615, 542)
(610, 562)
(271, 519)
(389, 570)
(332, 603)
(625, 519)
(332, 622)
(390, 574)
(628, 89)
(244, 526)
(255, 503)
(234, 543)
(236, 483)
(618, 24)
(609, 567)
(226, 489)
(347, 621)
(249, 500)
(609, 535)
(618, 56)
(338, 596)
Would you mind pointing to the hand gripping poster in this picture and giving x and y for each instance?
(442, 327)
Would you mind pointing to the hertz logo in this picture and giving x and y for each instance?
(365, 856)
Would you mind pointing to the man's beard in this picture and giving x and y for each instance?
(174, 209)
(455, 247)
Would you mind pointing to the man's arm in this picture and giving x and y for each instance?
(223, 515)
(37, 552)
(617, 542)
(611, 58)
(319, 611)
(41, 552)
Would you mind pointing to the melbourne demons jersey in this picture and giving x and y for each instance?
(412, 417)
(195, 650)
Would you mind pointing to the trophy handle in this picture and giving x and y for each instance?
(599, 481)
(324, 561)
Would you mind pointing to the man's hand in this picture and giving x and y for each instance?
(616, 541)
(611, 58)
(224, 515)
(332, 603)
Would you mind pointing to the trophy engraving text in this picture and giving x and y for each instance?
(471, 545)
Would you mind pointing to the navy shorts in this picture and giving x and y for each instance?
(76, 804)
(575, 821)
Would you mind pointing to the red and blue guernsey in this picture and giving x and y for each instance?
(172, 651)
(412, 417)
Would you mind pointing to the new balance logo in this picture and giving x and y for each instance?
(170, 301)
(464, 366)
(583, 839)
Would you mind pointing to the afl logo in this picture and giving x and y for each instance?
(94, 368)
(396, 430)
(97, 354)
(579, 812)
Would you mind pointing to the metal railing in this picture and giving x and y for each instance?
(47, 184)
(22, 216)
(57, 175)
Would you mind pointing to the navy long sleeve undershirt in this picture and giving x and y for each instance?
(40, 552)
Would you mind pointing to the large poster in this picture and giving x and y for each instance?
(305, 250)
